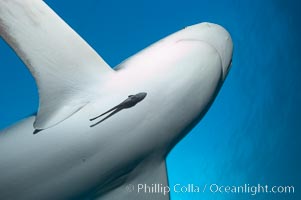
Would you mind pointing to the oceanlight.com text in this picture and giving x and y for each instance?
(211, 188)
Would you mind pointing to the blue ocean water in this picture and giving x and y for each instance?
(251, 134)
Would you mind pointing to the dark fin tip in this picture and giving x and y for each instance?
(37, 131)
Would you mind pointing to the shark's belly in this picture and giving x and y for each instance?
(67, 161)
(64, 163)
(73, 159)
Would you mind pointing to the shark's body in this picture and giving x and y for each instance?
(69, 159)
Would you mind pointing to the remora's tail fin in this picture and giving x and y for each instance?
(62, 63)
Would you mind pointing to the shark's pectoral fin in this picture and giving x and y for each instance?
(147, 182)
(64, 66)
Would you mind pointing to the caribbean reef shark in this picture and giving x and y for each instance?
(60, 153)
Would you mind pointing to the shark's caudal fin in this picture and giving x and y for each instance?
(147, 182)
(62, 63)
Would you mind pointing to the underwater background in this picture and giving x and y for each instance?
(250, 135)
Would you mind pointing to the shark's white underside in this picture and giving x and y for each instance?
(68, 159)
